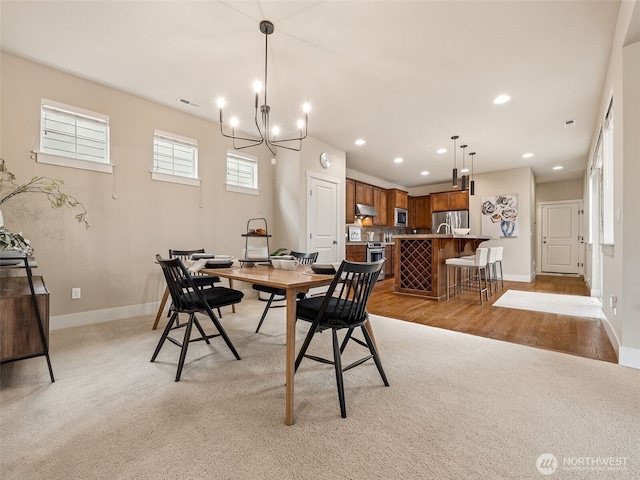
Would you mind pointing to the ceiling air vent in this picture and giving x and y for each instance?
(569, 123)
(188, 102)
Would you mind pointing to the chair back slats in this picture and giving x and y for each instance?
(180, 284)
(305, 258)
(346, 299)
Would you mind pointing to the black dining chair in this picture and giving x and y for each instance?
(303, 258)
(201, 280)
(187, 297)
(343, 307)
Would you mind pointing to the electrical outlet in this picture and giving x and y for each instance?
(76, 293)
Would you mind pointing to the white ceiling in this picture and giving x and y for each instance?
(405, 76)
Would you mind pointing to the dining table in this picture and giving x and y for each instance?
(300, 279)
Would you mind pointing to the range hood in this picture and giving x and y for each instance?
(365, 210)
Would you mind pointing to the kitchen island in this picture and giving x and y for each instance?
(420, 261)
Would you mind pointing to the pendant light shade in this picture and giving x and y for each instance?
(472, 184)
(464, 177)
(455, 168)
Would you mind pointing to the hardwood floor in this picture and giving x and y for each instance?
(574, 335)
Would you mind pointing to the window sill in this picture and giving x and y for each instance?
(60, 161)
(245, 190)
(163, 177)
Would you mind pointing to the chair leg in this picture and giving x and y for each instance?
(266, 310)
(185, 345)
(201, 330)
(165, 333)
(447, 267)
(222, 332)
(374, 352)
(305, 345)
(501, 276)
(346, 339)
(338, 367)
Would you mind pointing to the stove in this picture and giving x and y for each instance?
(375, 252)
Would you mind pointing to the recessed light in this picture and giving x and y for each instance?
(559, 167)
(424, 173)
(441, 150)
(464, 170)
(360, 142)
(570, 123)
(501, 99)
(398, 160)
(527, 155)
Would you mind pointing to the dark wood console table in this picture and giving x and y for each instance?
(24, 313)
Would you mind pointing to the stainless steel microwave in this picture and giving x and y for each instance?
(400, 217)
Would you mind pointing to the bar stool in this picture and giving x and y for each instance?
(477, 265)
(499, 251)
(491, 269)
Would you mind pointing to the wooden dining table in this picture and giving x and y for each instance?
(300, 279)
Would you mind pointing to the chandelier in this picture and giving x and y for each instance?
(267, 134)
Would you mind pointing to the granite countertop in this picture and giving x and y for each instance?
(365, 243)
(443, 235)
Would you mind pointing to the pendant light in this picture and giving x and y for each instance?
(455, 169)
(464, 176)
(472, 184)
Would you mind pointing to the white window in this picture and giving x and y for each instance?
(242, 173)
(73, 137)
(175, 158)
(607, 208)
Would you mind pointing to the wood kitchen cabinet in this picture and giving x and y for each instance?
(380, 204)
(364, 193)
(389, 263)
(350, 194)
(421, 212)
(356, 253)
(398, 199)
(454, 200)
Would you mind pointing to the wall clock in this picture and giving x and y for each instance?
(325, 159)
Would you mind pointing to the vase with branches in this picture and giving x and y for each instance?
(47, 186)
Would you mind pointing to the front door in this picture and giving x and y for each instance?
(560, 237)
(322, 215)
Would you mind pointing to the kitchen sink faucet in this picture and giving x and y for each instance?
(446, 225)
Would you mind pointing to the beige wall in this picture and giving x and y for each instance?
(559, 191)
(132, 217)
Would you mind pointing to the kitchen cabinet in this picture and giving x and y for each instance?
(364, 193)
(455, 200)
(398, 199)
(350, 194)
(356, 253)
(421, 212)
(380, 204)
(389, 263)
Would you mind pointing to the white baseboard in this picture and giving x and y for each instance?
(629, 357)
(520, 278)
(99, 316)
(108, 314)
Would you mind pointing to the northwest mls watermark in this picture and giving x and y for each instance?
(548, 464)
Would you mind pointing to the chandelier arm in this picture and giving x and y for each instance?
(244, 139)
(269, 142)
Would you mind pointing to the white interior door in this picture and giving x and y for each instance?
(560, 238)
(322, 215)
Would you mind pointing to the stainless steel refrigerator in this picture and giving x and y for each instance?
(447, 221)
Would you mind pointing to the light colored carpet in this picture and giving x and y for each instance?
(459, 406)
(572, 305)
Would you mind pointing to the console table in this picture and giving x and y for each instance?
(24, 313)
